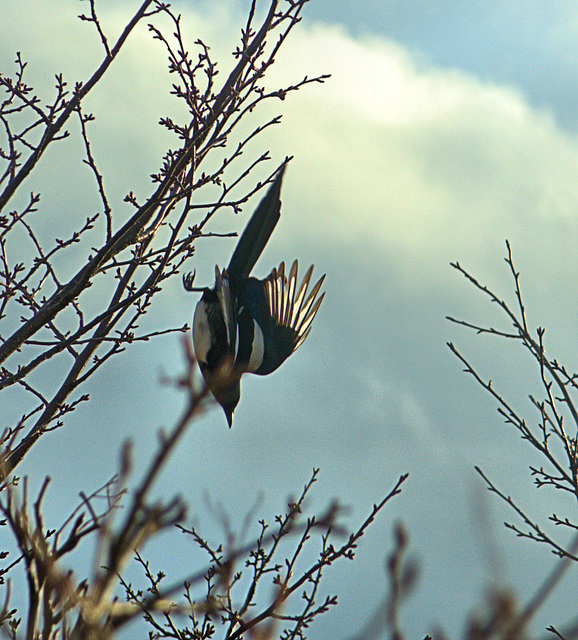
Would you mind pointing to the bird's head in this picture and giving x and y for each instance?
(224, 383)
(228, 396)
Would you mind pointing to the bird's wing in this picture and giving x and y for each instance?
(288, 314)
(289, 305)
(300, 309)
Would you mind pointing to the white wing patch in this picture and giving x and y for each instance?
(201, 332)
(223, 291)
(257, 349)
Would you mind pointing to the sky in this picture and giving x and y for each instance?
(445, 129)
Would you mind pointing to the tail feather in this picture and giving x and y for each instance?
(256, 233)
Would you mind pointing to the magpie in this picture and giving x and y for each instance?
(245, 325)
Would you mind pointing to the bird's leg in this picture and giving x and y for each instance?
(188, 279)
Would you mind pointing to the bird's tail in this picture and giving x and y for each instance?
(257, 233)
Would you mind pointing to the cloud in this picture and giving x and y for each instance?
(417, 159)
(414, 161)
(400, 166)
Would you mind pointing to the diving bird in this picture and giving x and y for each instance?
(245, 325)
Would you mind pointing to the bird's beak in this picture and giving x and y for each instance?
(229, 415)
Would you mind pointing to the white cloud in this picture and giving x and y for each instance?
(416, 158)
(396, 162)
(410, 159)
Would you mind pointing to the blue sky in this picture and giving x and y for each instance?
(521, 43)
(446, 128)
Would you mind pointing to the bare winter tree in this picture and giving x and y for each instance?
(128, 263)
(552, 430)
(50, 323)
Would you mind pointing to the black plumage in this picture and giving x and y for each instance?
(245, 325)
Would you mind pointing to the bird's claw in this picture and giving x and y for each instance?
(188, 279)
